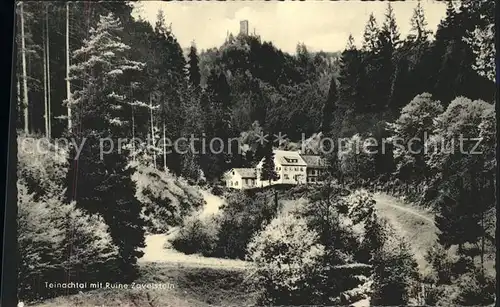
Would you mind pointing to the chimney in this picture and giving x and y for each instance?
(244, 27)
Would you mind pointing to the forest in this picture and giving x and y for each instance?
(89, 71)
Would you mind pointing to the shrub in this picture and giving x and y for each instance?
(441, 295)
(475, 289)
(57, 241)
(287, 260)
(42, 166)
(323, 213)
(395, 270)
(166, 199)
(217, 190)
(470, 289)
(441, 262)
(197, 236)
(240, 218)
(370, 229)
(361, 206)
(337, 217)
(237, 222)
(38, 242)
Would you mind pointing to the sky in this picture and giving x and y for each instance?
(320, 25)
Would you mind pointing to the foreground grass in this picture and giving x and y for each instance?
(184, 286)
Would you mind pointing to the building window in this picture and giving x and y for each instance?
(286, 168)
(231, 183)
(286, 176)
(236, 183)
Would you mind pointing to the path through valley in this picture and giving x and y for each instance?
(410, 222)
(157, 246)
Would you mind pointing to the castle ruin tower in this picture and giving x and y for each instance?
(244, 27)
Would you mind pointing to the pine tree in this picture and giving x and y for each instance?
(217, 101)
(194, 70)
(48, 116)
(68, 82)
(329, 106)
(152, 146)
(101, 183)
(482, 38)
(389, 36)
(454, 59)
(349, 75)
(167, 73)
(205, 106)
(418, 31)
(400, 89)
(380, 68)
(449, 20)
(26, 106)
(220, 95)
(350, 43)
(268, 167)
(370, 37)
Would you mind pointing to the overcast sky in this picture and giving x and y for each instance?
(321, 25)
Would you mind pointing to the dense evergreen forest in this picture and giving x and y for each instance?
(88, 71)
(228, 90)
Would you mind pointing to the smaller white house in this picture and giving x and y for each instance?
(241, 178)
(289, 166)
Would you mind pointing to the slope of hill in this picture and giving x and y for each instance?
(412, 223)
(166, 198)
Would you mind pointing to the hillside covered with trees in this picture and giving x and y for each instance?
(92, 74)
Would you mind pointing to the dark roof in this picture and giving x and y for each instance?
(314, 161)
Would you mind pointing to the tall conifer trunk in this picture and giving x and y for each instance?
(47, 41)
(25, 77)
(45, 88)
(68, 83)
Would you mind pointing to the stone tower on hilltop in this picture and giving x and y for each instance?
(244, 27)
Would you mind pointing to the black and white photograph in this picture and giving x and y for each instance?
(255, 153)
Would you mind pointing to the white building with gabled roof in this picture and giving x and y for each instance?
(289, 166)
(241, 178)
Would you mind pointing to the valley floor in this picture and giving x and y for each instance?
(196, 281)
